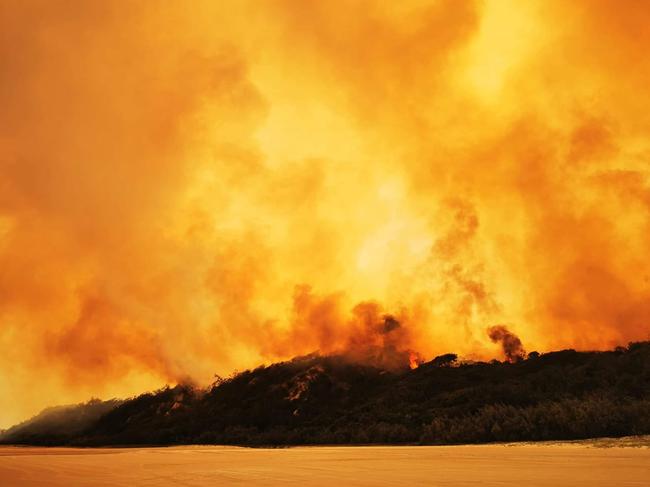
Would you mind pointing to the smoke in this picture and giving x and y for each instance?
(510, 343)
(365, 334)
(185, 192)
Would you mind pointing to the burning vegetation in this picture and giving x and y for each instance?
(192, 193)
(513, 350)
(329, 399)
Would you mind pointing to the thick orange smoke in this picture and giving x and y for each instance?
(188, 191)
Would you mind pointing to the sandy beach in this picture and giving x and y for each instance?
(571, 464)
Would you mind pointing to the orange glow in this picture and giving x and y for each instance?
(186, 192)
(413, 361)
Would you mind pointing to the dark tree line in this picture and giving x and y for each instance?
(329, 400)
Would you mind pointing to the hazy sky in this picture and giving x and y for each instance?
(188, 188)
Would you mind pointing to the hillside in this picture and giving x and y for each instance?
(60, 424)
(316, 400)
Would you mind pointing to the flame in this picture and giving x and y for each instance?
(186, 192)
(414, 360)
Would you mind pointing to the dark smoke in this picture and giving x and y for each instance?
(381, 341)
(511, 344)
(390, 323)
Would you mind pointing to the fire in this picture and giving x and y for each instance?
(203, 190)
(414, 360)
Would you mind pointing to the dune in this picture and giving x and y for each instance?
(594, 464)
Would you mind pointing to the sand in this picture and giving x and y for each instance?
(572, 464)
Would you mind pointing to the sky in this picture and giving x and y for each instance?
(193, 189)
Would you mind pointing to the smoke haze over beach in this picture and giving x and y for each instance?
(190, 191)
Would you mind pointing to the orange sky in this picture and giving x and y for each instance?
(189, 189)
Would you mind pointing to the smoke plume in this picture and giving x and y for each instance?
(186, 192)
(510, 343)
